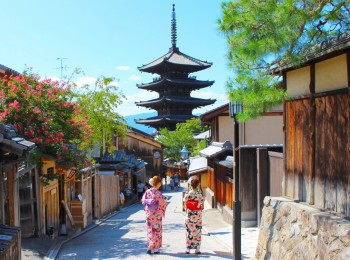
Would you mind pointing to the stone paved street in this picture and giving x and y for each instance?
(123, 236)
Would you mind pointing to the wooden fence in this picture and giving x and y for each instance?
(317, 151)
(107, 194)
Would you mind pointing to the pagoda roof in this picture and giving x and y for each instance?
(189, 82)
(177, 100)
(175, 58)
(164, 120)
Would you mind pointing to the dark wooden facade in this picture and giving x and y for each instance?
(146, 148)
(317, 129)
(317, 150)
(254, 179)
(174, 86)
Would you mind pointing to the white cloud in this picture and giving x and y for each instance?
(134, 77)
(82, 81)
(221, 99)
(129, 107)
(122, 67)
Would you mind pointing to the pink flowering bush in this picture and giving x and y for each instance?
(44, 113)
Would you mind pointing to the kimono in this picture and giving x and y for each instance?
(193, 221)
(154, 218)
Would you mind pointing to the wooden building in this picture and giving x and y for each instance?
(174, 86)
(127, 167)
(145, 147)
(18, 182)
(85, 206)
(266, 129)
(50, 196)
(317, 127)
(220, 174)
(263, 132)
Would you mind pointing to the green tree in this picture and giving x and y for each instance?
(182, 136)
(98, 107)
(264, 36)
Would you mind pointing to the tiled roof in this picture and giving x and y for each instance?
(178, 58)
(197, 164)
(4, 69)
(115, 156)
(191, 83)
(216, 148)
(228, 162)
(203, 135)
(169, 118)
(178, 100)
(334, 45)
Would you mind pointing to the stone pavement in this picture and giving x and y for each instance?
(123, 236)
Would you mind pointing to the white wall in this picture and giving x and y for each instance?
(263, 130)
(226, 126)
(298, 82)
(331, 74)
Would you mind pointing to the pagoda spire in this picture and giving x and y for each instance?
(173, 30)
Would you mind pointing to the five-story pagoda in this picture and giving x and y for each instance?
(174, 104)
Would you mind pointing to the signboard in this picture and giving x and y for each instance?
(71, 173)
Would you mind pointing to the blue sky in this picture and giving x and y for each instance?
(112, 38)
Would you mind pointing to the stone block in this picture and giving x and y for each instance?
(344, 235)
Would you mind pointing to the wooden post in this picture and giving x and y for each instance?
(311, 198)
(348, 127)
(262, 179)
(2, 217)
(11, 194)
(284, 188)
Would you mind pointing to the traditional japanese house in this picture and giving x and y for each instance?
(317, 128)
(50, 198)
(18, 182)
(220, 174)
(127, 167)
(85, 205)
(264, 132)
(174, 86)
(67, 194)
(145, 147)
(266, 129)
(316, 159)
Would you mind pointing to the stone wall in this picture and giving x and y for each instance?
(291, 230)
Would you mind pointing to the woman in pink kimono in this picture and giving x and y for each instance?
(155, 206)
(193, 220)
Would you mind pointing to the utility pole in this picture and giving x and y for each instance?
(61, 67)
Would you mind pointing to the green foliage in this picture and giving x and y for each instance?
(47, 178)
(265, 36)
(182, 136)
(200, 146)
(98, 106)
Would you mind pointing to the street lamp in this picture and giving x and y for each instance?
(184, 153)
(234, 109)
